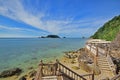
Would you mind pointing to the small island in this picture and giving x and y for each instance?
(50, 36)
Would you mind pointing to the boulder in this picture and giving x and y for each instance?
(30, 68)
(22, 78)
(10, 72)
(32, 73)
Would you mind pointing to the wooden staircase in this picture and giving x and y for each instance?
(103, 64)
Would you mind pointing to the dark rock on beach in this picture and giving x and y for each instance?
(32, 73)
(22, 78)
(10, 72)
(33, 79)
(34, 58)
(30, 68)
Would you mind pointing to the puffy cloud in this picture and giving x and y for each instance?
(15, 10)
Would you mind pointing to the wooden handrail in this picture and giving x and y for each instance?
(111, 64)
(103, 52)
(86, 74)
(39, 72)
(59, 68)
(71, 71)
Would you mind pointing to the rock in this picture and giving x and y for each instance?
(34, 58)
(106, 78)
(22, 78)
(96, 70)
(11, 72)
(32, 73)
(30, 68)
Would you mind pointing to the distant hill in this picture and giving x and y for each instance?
(50, 36)
(109, 30)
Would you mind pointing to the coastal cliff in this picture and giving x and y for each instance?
(109, 30)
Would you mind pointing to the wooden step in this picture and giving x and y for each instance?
(103, 64)
(49, 78)
(105, 69)
(102, 59)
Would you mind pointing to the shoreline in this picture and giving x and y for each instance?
(66, 61)
(71, 60)
(34, 60)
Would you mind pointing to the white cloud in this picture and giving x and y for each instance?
(14, 9)
(9, 28)
(18, 32)
(13, 28)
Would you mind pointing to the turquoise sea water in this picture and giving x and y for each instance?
(28, 52)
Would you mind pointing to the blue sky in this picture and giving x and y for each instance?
(70, 18)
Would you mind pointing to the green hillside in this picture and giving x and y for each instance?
(109, 30)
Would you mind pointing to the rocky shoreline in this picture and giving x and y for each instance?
(78, 60)
(19, 74)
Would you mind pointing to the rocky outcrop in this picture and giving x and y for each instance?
(11, 72)
(22, 78)
(32, 73)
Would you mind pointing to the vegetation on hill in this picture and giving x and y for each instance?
(109, 30)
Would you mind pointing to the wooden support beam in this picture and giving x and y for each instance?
(39, 72)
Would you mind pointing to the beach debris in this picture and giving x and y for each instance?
(10, 72)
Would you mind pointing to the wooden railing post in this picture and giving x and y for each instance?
(41, 68)
(106, 50)
(92, 76)
(97, 53)
(56, 67)
(39, 72)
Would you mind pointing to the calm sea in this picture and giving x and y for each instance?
(26, 53)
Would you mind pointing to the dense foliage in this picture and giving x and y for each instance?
(109, 30)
